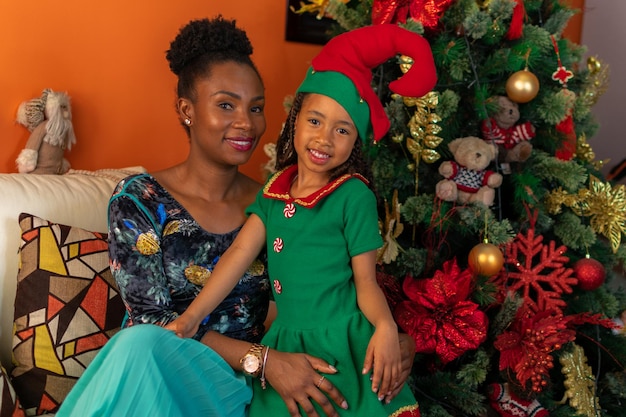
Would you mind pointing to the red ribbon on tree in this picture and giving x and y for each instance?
(566, 126)
(517, 21)
(428, 12)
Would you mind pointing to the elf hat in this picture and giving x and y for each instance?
(343, 71)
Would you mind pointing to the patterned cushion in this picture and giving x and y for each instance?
(66, 308)
(9, 404)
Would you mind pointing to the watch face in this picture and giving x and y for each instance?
(251, 364)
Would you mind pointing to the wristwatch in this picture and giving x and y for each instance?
(252, 362)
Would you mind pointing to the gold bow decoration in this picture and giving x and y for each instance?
(390, 230)
(602, 202)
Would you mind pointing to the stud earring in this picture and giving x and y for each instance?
(187, 122)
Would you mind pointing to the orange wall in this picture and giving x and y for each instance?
(110, 57)
(573, 31)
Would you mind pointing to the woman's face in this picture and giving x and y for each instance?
(227, 116)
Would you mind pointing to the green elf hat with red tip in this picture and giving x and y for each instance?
(343, 71)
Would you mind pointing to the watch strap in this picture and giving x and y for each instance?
(256, 350)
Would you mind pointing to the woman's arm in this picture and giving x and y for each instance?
(139, 275)
(383, 351)
(293, 375)
(227, 272)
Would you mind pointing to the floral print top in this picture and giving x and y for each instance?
(161, 258)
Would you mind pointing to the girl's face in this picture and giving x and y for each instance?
(227, 116)
(324, 134)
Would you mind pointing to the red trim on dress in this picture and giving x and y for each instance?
(279, 185)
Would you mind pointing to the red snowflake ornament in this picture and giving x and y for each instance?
(540, 282)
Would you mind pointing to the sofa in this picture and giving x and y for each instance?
(59, 303)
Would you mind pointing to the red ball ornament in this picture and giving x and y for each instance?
(590, 273)
(485, 259)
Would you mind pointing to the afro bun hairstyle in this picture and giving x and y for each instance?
(205, 41)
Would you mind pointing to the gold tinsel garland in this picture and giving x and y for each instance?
(423, 126)
(579, 382)
(314, 6)
(597, 82)
(586, 154)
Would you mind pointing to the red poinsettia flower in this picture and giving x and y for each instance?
(527, 346)
(438, 314)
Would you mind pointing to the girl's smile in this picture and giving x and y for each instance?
(324, 136)
(318, 157)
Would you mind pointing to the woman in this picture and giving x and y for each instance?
(167, 230)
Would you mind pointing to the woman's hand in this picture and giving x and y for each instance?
(297, 379)
(407, 351)
(183, 326)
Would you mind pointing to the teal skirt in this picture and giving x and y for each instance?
(147, 371)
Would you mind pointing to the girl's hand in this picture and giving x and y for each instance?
(183, 326)
(297, 377)
(384, 352)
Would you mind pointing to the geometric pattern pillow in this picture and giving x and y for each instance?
(9, 404)
(67, 307)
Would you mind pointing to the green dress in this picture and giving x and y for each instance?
(310, 243)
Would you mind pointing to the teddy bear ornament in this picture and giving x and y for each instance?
(49, 119)
(467, 178)
(505, 130)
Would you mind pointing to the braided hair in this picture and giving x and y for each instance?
(200, 45)
(286, 153)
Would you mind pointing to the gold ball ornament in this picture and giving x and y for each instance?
(485, 259)
(522, 86)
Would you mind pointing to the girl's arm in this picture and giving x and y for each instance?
(227, 272)
(271, 315)
(383, 351)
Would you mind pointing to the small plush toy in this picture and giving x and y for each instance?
(49, 119)
(504, 130)
(467, 179)
(507, 404)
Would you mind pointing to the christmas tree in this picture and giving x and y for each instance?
(507, 290)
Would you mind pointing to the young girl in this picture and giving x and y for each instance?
(318, 218)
